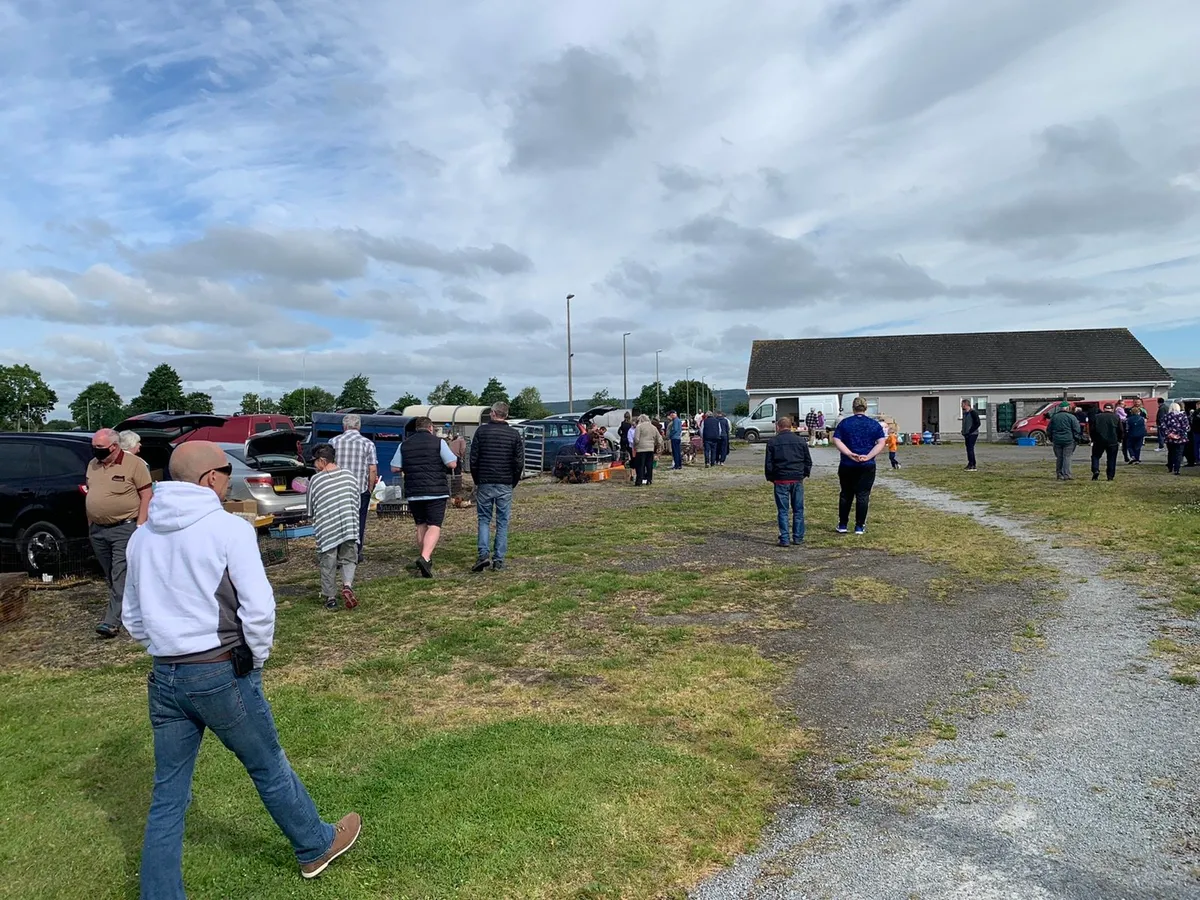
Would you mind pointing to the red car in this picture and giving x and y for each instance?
(1035, 426)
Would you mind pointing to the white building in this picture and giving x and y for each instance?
(920, 380)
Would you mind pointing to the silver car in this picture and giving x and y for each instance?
(265, 472)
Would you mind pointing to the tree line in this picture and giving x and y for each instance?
(26, 399)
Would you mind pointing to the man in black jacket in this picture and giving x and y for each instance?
(970, 432)
(497, 461)
(1106, 432)
(426, 461)
(788, 464)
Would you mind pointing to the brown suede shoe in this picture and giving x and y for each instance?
(345, 833)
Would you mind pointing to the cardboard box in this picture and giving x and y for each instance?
(241, 506)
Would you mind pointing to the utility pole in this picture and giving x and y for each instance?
(625, 371)
(688, 378)
(657, 386)
(570, 382)
(89, 413)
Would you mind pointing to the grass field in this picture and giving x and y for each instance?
(587, 724)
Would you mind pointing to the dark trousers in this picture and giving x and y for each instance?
(712, 451)
(364, 505)
(108, 543)
(1174, 457)
(1108, 450)
(892, 458)
(724, 449)
(856, 483)
(1135, 445)
(677, 452)
(644, 466)
(1125, 448)
(971, 439)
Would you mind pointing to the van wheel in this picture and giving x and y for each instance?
(1039, 438)
(751, 436)
(42, 548)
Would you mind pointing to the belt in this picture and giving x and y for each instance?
(116, 524)
(224, 657)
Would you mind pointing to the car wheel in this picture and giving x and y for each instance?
(751, 436)
(1039, 438)
(42, 548)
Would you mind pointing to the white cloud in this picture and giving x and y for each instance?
(371, 187)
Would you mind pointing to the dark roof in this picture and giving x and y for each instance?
(931, 360)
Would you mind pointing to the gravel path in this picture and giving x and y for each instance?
(1088, 789)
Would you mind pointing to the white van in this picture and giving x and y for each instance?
(761, 421)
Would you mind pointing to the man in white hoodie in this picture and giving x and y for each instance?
(197, 598)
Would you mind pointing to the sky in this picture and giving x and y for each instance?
(265, 192)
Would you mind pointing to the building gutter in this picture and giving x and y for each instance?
(931, 389)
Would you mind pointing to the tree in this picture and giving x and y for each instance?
(98, 406)
(602, 398)
(25, 398)
(406, 400)
(528, 405)
(198, 402)
(162, 389)
(356, 393)
(460, 396)
(741, 409)
(685, 396)
(59, 425)
(437, 397)
(252, 403)
(648, 400)
(493, 392)
(303, 402)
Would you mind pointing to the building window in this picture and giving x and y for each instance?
(980, 403)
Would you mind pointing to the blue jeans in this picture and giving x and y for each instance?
(790, 495)
(677, 452)
(1135, 447)
(184, 700)
(712, 451)
(487, 496)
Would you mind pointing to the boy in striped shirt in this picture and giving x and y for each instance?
(333, 501)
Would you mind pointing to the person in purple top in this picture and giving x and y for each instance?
(859, 439)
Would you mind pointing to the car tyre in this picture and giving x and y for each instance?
(42, 546)
(1039, 438)
(751, 436)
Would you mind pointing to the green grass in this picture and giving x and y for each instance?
(537, 734)
(1145, 520)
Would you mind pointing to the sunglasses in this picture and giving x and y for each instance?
(225, 470)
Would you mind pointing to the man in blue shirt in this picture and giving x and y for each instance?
(711, 432)
(675, 434)
(859, 439)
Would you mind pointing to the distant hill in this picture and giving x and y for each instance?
(1187, 382)
(728, 399)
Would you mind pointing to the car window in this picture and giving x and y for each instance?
(59, 462)
(260, 427)
(17, 460)
(766, 411)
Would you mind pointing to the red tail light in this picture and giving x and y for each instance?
(260, 481)
(83, 489)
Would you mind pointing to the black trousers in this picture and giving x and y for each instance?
(1109, 450)
(644, 466)
(856, 483)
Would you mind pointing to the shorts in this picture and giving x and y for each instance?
(428, 512)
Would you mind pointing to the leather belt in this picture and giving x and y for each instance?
(224, 657)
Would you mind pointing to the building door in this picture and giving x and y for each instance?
(929, 414)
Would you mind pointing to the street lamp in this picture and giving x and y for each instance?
(570, 383)
(625, 371)
(657, 386)
(687, 377)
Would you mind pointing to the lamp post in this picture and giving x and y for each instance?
(625, 371)
(570, 383)
(687, 377)
(657, 386)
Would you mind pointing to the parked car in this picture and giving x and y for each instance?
(554, 433)
(1035, 426)
(42, 493)
(264, 466)
(218, 429)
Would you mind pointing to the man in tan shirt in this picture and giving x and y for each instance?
(118, 497)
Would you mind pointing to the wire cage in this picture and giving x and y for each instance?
(50, 559)
(392, 509)
(274, 549)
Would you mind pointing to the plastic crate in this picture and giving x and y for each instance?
(1026, 442)
(294, 531)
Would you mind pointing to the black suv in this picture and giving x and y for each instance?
(42, 493)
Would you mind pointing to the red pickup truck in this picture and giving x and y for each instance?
(1035, 426)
